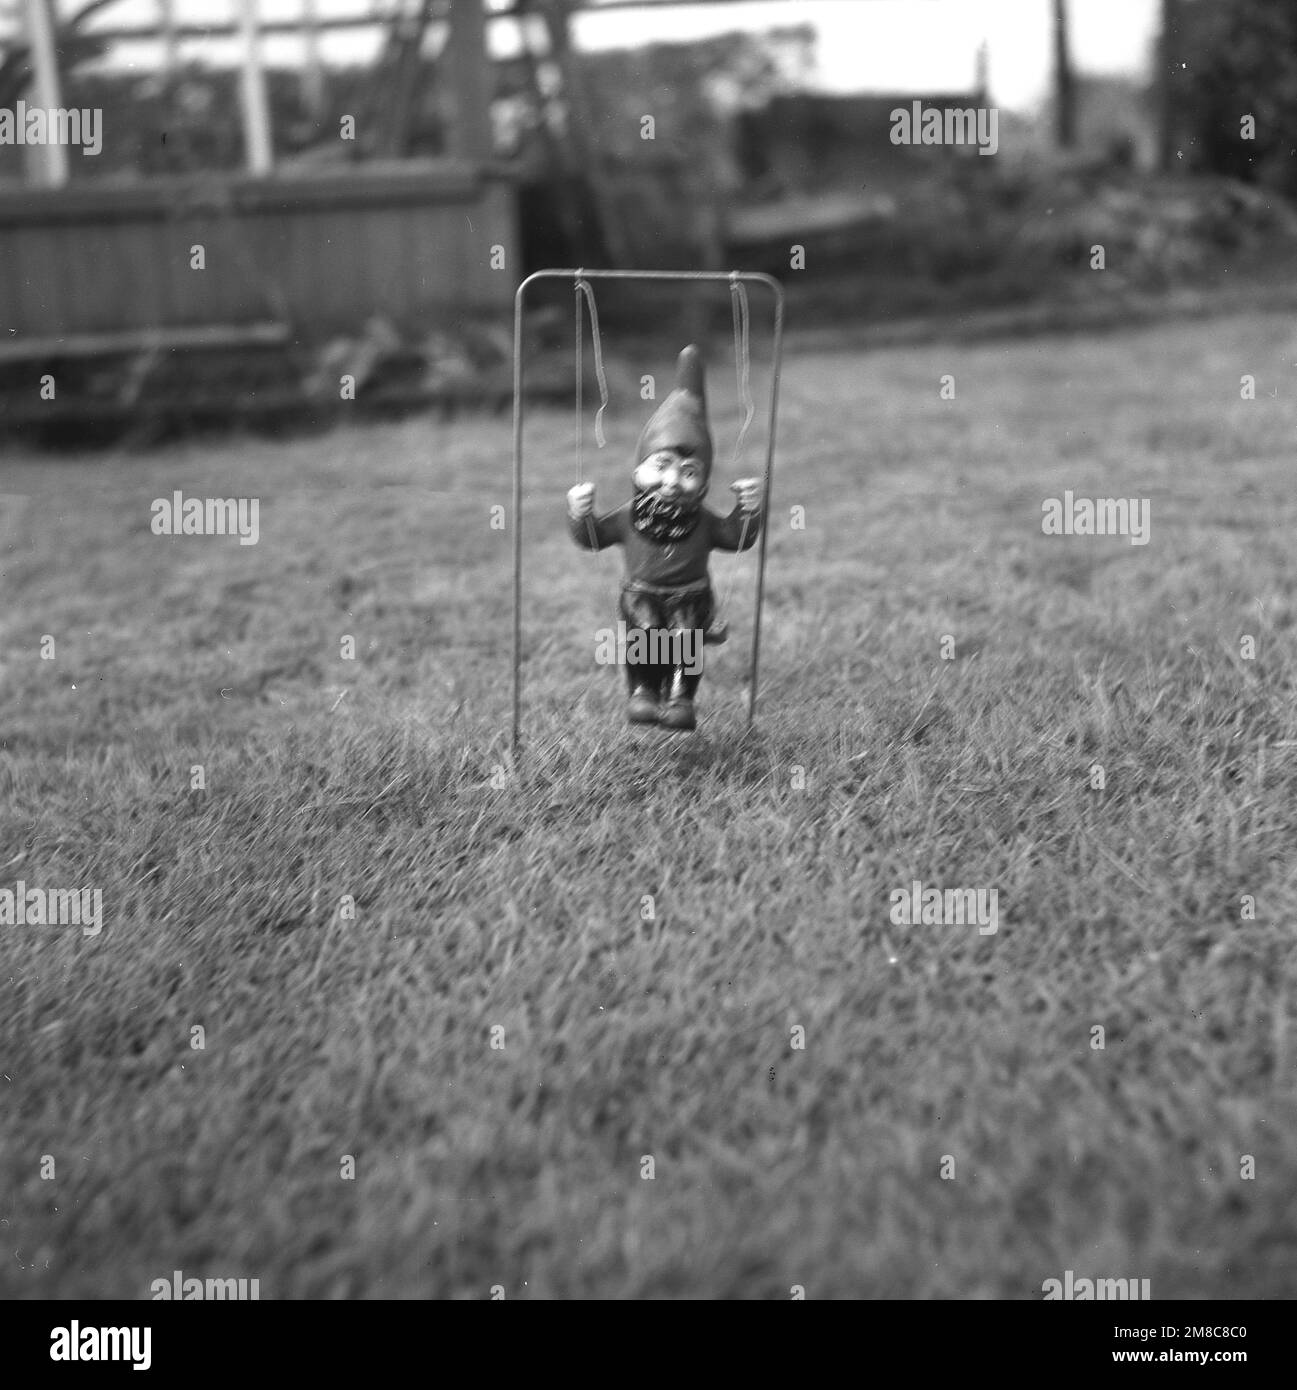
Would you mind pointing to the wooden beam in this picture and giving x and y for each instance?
(405, 183)
(374, 19)
(136, 340)
(49, 161)
(142, 33)
(256, 107)
(170, 39)
(594, 7)
(313, 86)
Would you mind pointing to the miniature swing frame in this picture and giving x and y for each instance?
(578, 277)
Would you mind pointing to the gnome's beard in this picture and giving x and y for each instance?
(653, 516)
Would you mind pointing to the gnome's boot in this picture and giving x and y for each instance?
(678, 708)
(644, 682)
(643, 706)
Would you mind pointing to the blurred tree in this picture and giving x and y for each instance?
(664, 119)
(74, 46)
(1230, 59)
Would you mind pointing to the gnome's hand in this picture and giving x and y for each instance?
(580, 500)
(749, 493)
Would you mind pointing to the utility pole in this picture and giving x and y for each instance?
(1064, 82)
(1165, 86)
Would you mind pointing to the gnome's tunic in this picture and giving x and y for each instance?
(670, 564)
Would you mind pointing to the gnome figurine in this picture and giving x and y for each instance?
(667, 535)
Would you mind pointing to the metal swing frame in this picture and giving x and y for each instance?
(719, 277)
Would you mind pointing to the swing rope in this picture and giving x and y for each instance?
(742, 367)
(583, 286)
(742, 360)
(579, 287)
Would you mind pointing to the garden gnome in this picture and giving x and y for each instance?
(667, 535)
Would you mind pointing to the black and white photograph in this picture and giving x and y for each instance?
(648, 653)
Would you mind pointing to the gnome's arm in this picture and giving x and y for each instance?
(727, 531)
(606, 530)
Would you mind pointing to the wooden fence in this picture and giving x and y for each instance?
(320, 253)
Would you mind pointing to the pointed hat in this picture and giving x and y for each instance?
(681, 420)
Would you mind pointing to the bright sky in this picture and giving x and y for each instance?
(903, 45)
(863, 45)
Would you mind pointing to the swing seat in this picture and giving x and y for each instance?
(716, 632)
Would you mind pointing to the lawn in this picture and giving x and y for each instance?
(507, 902)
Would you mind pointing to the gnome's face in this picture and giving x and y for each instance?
(675, 457)
(675, 475)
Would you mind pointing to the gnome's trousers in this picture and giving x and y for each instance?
(678, 610)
